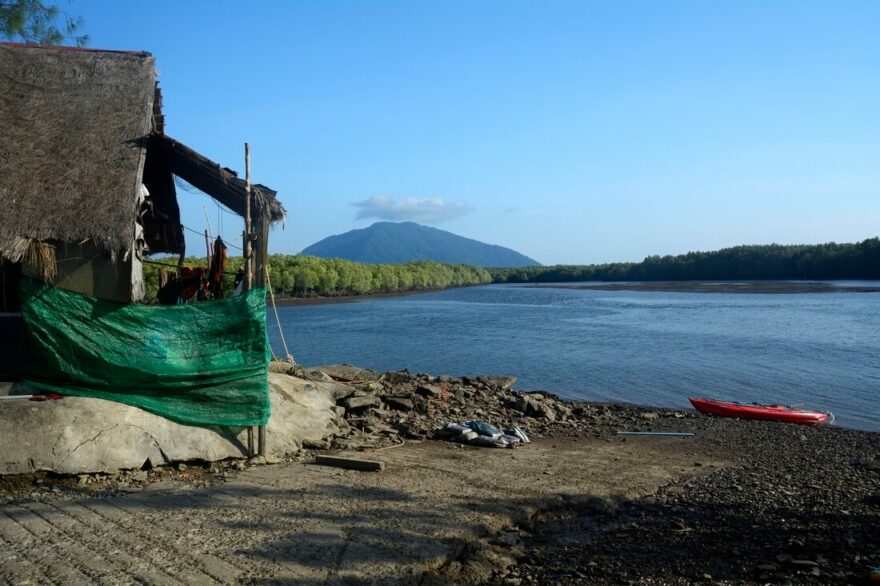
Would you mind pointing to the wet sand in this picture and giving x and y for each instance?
(767, 287)
(296, 301)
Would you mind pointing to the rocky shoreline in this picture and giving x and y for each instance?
(789, 505)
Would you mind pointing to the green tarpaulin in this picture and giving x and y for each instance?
(201, 363)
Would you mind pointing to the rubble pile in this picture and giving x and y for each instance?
(382, 408)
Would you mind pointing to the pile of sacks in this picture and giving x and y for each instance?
(480, 433)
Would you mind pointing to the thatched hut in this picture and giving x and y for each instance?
(86, 170)
(87, 176)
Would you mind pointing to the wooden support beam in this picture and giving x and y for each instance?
(220, 183)
(658, 433)
(350, 463)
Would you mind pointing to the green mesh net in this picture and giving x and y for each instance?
(200, 364)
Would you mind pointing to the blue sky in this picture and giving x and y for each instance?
(573, 132)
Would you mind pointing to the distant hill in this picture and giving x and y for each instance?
(390, 242)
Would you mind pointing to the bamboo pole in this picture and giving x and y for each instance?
(208, 221)
(248, 269)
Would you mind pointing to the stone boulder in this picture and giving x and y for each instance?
(360, 401)
(400, 403)
(347, 372)
(534, 405)
(79, 435)
(302, 411)
(498, 382)
(396, 378)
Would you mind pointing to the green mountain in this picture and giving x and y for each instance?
(390, 242)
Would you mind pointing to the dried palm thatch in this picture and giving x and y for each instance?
(74, 128)
(37, 258)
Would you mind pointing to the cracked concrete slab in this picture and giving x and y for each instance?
(77, 435)
(305, 524)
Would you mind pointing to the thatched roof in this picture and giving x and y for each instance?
(76, 128)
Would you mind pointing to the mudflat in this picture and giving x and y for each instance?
(769, 287)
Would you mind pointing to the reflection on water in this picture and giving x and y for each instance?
(817, 350)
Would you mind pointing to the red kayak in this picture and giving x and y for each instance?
(755, 411)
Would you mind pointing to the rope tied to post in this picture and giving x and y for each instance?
(289, 356)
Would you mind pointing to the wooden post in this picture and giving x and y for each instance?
(182, 252)
(261, 260)
(180, 298)
(249, 281)
(261, 440)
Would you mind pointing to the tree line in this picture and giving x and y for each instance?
(309, 276)
(860, 260)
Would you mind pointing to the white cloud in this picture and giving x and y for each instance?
(429, 210)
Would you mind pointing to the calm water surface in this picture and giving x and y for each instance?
(821, 351)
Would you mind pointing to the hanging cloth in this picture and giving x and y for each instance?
(218, 267)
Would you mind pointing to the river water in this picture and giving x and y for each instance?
(821, 351)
